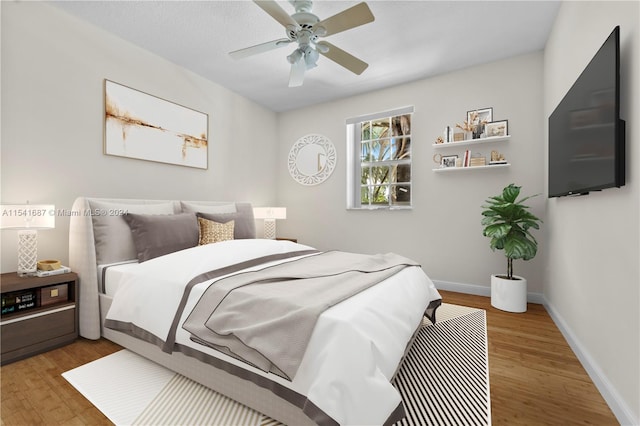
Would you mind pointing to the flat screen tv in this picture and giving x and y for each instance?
(586, 134)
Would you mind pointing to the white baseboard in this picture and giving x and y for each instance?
(480, 290)
(620, 409)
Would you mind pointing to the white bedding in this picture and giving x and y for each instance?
(355, 347)
(112, 274)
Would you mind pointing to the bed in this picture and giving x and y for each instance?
(145, 270)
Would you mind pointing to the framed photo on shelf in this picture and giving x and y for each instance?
(484, 114)
(497, 128)
(448, 161)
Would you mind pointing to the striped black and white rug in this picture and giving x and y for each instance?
(445, 377)
(443, 381)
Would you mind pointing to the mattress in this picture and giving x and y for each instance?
(111, 276)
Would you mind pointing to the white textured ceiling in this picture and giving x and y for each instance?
(409, 40)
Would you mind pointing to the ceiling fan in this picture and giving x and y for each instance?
(304, 28)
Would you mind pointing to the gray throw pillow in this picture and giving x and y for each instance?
(245, 225)
(113, 239)
(157, 235)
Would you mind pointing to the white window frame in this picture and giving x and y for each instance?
(354, 169)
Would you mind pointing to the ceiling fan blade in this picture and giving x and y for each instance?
(355, 16)
(259, 48)
(296, 77)
(276, 12)
(341, 57)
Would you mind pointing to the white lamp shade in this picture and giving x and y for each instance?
(27, 216)
(270, 212)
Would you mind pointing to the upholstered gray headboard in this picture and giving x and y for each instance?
(99, 235)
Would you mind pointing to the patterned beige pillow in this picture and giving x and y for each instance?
(214, 232)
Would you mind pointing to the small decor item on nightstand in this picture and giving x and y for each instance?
(48, 265)
(61, 270)
(27, 219)
(54, 294)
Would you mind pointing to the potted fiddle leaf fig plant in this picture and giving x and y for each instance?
(507, 222)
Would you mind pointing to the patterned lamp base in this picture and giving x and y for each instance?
(270, 229)
(27, 252)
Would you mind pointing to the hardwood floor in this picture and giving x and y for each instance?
(35, 393)
(535, 377)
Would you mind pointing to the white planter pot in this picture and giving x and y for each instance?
(509, 295)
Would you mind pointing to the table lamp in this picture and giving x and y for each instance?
(27, 219)
(270, 214)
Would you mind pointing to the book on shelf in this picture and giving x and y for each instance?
(467, 158)
(18, 301)
(477, 161)
(18, 307)
(61, 270)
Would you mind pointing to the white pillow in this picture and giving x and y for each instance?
(189, 207)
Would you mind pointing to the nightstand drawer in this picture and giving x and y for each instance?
(42, 327)
(54, 294)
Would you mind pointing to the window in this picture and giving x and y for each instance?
(379, 160)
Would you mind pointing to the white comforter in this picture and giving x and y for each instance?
(355, 347)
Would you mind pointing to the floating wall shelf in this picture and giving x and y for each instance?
(472, 142)
(457, 169)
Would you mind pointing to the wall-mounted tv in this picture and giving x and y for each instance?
(586, 134)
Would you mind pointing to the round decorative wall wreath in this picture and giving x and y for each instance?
(312, 159)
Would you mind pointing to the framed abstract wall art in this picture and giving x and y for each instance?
(141, 126)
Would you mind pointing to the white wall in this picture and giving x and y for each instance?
(593, 274)
(53, 68)
(443, 230)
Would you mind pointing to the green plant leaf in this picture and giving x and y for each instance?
(510, 193)
(518, 246)
(498, 230)
(489, 220)
(507, 222)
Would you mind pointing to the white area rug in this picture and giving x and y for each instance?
(121, 385)
(444, 380)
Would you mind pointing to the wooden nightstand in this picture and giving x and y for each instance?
(45, 317)
(295, 240)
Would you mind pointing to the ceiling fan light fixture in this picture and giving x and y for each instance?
(295, 56)
(311, 57)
